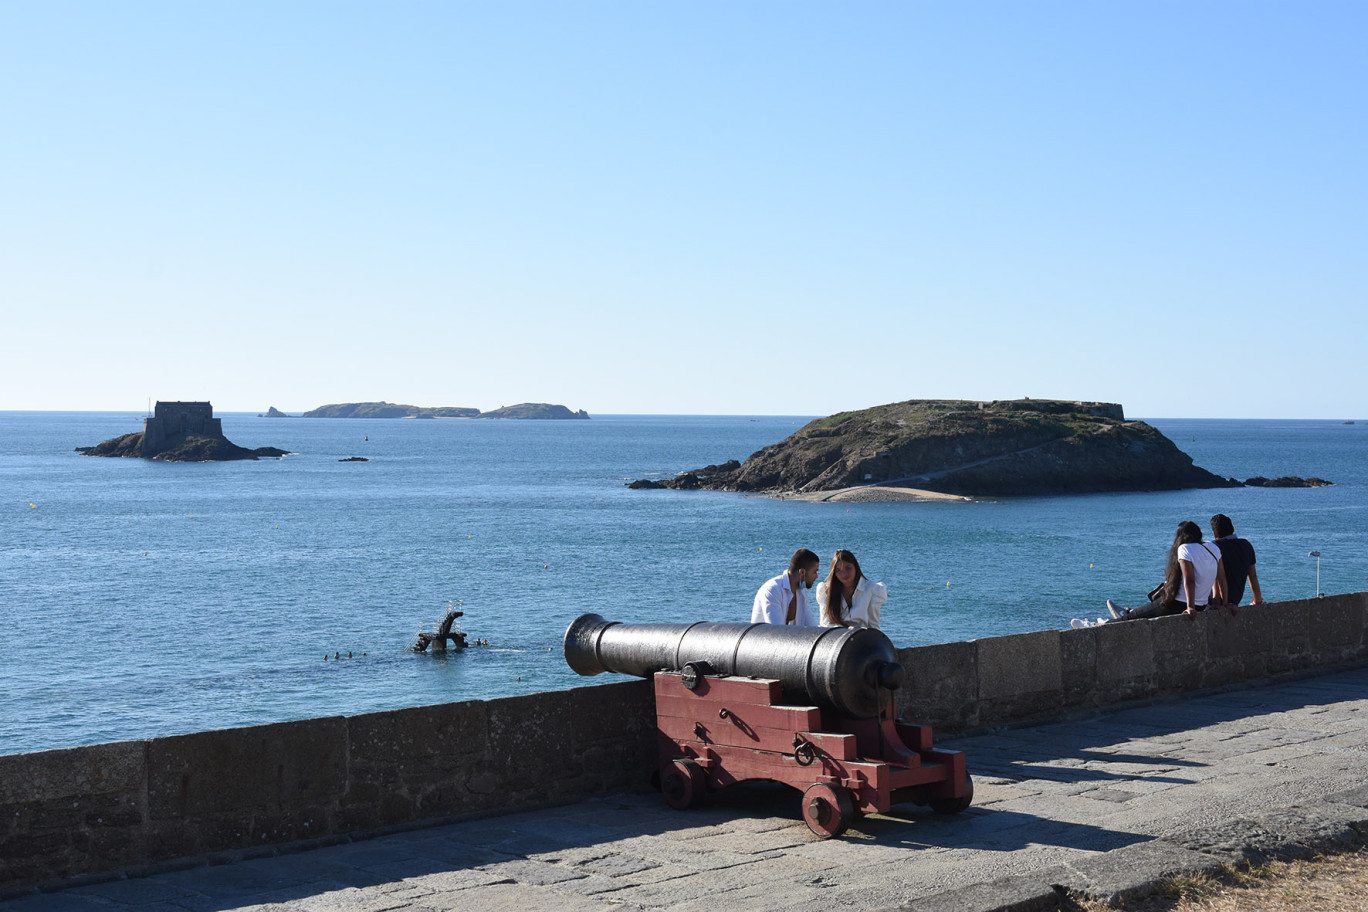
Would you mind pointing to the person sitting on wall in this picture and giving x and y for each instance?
(1194, 578)
(1238, 556)
(782, 599)
(846, 597)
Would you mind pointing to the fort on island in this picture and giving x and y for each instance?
(171, 421)
(179, 432)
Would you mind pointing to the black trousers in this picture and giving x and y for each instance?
(1158, 609)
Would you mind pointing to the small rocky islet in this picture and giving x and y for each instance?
(1020, 447)
(1287, 481)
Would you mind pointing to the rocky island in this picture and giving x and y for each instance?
(934, 447)
(392, 410)
(535, 410)
(389, 410)
(180, 432)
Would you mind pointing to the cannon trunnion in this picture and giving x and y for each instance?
(736, 702)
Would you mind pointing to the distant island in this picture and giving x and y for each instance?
(389, 410)
(937, 448)
(273, 412)
(532, 410)
(179, 432)
(537, 410)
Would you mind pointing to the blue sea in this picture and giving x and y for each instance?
(142, 598)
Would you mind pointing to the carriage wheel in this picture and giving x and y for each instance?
(684, 783)
(955, 805)
(827, 809)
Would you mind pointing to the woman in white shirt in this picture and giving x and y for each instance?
(1193, 577)
(846, 597)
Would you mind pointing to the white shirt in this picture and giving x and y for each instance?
(864, 604)
(1203, 571)
(771, 604)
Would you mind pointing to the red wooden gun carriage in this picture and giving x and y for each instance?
(811, 707)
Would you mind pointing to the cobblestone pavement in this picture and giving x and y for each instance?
(1100, 807)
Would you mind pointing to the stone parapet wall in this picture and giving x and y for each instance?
(125, 806)
(121, 806)
(1030, 677)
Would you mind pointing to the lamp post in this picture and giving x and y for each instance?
(1316, 555)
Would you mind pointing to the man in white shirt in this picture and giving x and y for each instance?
(783, 600)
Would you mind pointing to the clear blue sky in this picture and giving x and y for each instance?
(690, 207)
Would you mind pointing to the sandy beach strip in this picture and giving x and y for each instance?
(876, 494)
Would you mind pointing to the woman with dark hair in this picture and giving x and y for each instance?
(846, 597)
(1194, 578)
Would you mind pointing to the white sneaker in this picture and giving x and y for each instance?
(1079, 623)
(1116, 610)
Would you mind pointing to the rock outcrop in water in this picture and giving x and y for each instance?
(180, 432)
(1004, 448)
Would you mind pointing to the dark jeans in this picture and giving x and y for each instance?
(1158, 609)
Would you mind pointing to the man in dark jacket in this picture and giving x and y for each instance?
(1238, 557)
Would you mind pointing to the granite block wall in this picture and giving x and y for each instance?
(1028, 677)
(110, 807)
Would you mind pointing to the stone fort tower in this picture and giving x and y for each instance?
(172, 421)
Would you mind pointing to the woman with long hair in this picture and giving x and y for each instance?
(1194, 578)
(846, 597)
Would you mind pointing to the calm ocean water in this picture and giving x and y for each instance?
(143, 598)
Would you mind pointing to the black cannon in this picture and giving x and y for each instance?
(733, 702)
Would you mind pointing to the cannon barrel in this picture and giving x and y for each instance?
(843, 668)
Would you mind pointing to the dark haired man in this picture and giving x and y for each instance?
(782, 599)
(1238, 557)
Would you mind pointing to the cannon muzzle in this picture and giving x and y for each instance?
(843, 668)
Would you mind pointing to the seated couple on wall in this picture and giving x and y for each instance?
(1197, 575)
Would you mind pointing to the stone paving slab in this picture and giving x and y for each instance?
(1292, 833)
(1123, 874)
(1102, 807)
(1021, 893)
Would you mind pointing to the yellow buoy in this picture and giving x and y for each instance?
(33, 506)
